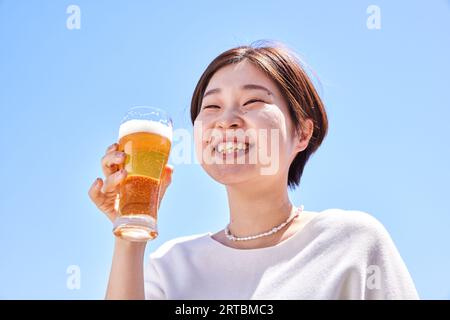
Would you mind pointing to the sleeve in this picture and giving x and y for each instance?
(387, 276)
(152, 283)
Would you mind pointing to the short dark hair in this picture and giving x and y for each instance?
(282, 66)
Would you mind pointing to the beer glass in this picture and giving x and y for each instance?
(145, 135)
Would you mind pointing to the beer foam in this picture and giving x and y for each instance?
(139, 125)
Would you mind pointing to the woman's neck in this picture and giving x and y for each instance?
(257, 209)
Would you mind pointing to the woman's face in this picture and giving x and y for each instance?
(243, 131)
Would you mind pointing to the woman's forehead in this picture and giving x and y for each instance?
(238, 75)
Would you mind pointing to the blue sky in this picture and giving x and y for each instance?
(63, 93)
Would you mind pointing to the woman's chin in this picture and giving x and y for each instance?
(231, 173)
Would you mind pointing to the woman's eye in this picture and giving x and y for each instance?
(210, 106)
(253, 101)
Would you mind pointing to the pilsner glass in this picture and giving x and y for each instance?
(145, 135)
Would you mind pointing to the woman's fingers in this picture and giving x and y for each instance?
(105, 202)
(95, 192)
(111, 161)
(112, 147)
(113, 181)
(104, 193)
(99, 198)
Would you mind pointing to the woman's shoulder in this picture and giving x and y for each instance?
(345, 216)
(348, 223)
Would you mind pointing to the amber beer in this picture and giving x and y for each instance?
(146, 138)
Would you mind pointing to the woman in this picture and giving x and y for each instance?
(271, 248)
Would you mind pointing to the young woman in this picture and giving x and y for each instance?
(271, 249)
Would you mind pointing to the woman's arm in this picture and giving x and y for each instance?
(126, 279)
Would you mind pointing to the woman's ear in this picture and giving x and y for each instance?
(304, 136)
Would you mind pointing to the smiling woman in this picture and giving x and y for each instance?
(282, 83)
(271, 248)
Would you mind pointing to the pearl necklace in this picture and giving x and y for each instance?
(268, 233)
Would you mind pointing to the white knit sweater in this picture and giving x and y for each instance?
(338, 254)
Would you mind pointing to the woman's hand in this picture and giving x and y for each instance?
(104, 193)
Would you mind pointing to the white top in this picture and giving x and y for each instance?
(338, 254)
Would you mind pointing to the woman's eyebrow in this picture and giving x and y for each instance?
(256, 87)
(244, 87)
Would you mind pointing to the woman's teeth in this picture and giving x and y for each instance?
(229, 147)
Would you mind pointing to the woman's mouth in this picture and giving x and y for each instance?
(231, 149)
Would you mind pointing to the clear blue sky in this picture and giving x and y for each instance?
(63, 93)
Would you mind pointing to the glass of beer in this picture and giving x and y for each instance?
(145, 136)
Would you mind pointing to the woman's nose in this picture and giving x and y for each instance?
(228, 120)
